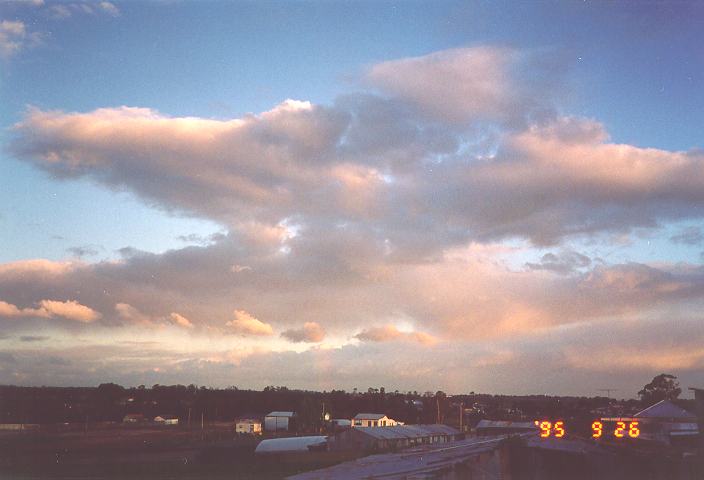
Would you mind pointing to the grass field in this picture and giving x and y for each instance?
(136, 452)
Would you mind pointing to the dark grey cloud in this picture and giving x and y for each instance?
(33, 338)
(564, 262)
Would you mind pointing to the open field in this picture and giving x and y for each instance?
(144, 453)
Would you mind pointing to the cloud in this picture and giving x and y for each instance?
(85, 250)
(563, 262)
(15, 37)
(688, 236)
(180, 320)
(245, 324)
(464, 84)
(311, 332)
(66, 10)
(33, 338)
(70, 309)
(381, 206)
(132, 315)
(388, 333)
(9, 310)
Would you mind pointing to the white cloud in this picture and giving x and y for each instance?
(15, 37)
(245, 324)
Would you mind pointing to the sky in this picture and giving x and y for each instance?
(458, 196)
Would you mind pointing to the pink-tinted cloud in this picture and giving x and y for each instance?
(69, 309)
(311, 332)
(388, 333)
(245, 324)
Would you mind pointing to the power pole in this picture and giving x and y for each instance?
(437, 402)
(461, 415)
(189, 418)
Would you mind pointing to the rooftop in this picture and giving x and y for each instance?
(665, 409)
(369, 416)
(406, 431)
(281, 414)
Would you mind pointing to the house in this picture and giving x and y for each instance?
(373, 420)
(279, 421)
(134, 418)
(166, 420)
(249, 425)
(379, 439)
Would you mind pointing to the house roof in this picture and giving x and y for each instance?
(281, 414)
(369, 416)
(665, 409)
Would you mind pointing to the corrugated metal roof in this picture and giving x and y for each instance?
(428, 461)
(665, 409)
(289, 444)
(281, 414)
(369, 416)
(406, 431)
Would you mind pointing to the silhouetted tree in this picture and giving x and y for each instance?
(663, 387)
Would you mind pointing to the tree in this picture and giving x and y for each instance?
(663, 387)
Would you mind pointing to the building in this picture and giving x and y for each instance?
(665, 422)
(340, 423)
(280, 421)
(248, 425)
(292, 445)
(379, 439)
(166, 420)
(503, 427)
(373, 420)
(134, 418)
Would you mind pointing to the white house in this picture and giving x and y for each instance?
(277, 421)
(373, 420)
(166, 420)
(248, 425)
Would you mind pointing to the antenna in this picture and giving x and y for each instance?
(608, 391)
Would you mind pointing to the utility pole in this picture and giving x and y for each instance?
(461, 415)
(437, 402)
(189, 418)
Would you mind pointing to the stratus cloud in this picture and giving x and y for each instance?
(245, 324)
(69, 309)
(311, 332)
(388, 333)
